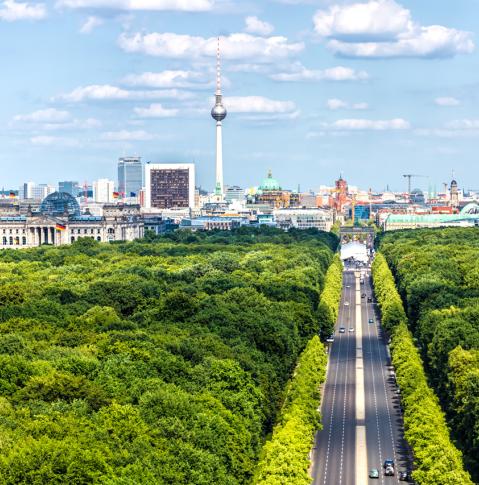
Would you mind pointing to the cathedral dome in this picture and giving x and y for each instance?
(269, 183)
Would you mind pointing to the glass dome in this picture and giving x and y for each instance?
(60, 204)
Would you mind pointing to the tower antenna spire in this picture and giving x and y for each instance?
(218, 68)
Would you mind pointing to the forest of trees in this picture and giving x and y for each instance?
(436, 460)
(437, 273)
(285, 458)
(157, 361)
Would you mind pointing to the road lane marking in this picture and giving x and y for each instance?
(343, 431)
(361, 458)
(373, 375)
(331, 420)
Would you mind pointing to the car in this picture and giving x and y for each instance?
(351, 329)
(371, 320)
(369, 299)
(342, 330)
(374, 473)
(330, 339)
(388, 462)
(348, 286)
(363, 295)
(389, 471)
(346, 303)
(403, 476)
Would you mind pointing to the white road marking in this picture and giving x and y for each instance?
(343, 430)
(361, 457)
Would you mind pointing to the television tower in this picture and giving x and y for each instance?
(219, 114)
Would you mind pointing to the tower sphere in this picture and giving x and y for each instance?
(218, 112)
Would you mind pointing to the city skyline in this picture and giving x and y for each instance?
(309, 93)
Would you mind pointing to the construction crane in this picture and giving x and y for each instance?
(409, 176)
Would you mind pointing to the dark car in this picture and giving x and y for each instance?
(404, 476)
(363, 295)
(388, 462)
(371, 320)
(369, 299)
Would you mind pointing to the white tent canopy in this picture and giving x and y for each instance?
(355, 250)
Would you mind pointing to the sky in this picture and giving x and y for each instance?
(314, 88)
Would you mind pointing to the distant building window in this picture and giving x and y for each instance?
(10, 240)
(98, 238)
(73, 239)
(24, 240)
(4, 240)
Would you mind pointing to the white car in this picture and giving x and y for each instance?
(351, 329)
(346, 303)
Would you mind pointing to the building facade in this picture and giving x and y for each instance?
(169, 186)
(70, 187)
(59, 222)
(303, 219)
(103, 190)
(130, 176)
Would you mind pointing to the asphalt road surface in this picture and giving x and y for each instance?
(361, 416)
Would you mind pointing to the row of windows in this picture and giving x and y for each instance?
(14, 241)
(92, 237)
(17, 231)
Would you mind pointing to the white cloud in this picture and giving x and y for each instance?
(98, 92)
(360, 106)
(355, 124)
(54, 141)
(133, 5)
(261, 108)
(383, 28)
(447, 101)
(234, 46)
(50, 115)
(463, 124)
(155, 111)
(335, 104)
(258, 104)
(375, 20)
(125, 135)
(170, 79)
(91, 23)
(256, 26)
(12, 10)
(338, 73)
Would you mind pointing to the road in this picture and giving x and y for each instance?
(362, 422)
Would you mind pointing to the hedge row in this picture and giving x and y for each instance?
(285, 457)
(436, 460)
(328, 307)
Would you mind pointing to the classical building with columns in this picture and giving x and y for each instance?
(59, 221)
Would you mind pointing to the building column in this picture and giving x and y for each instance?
(38, 236)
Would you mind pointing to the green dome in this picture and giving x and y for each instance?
(269, 183)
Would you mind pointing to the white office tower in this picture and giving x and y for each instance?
(103, 190)
(31, 190)
(219, 114)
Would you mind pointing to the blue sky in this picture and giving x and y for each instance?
(372, 89)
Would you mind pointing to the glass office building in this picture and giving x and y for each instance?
(130, 176)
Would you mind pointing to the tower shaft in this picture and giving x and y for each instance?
(219, 159)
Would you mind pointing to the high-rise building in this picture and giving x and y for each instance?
(70, 187)
(130, 176)
(31, 190)
(219, 114)
(234, 193)
(169, 186)
(103, 190)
